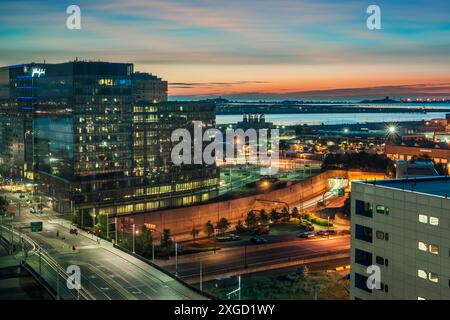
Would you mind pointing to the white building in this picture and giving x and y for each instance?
(403, 227)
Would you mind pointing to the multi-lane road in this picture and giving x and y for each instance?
(106, 273)
(233, 258)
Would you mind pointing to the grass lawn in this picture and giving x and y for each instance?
(283, 228)
(199, 246)
(286, 286)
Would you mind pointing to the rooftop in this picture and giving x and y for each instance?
(436, 186)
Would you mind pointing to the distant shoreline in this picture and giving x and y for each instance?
(323, 110)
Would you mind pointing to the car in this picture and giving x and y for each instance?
(307, 235)
(262, 230)
(344, 232)
(73, 231)
(322, 233)
(21, 196)
(231, 237)
(332, 232)
(258, 240)
(234, 237)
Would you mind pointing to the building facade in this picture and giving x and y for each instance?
(78, 131)
(148, 87)
(401, 226)
(438, 152)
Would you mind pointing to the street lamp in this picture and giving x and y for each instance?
(133, 238)
(392, 129)
(115, 227)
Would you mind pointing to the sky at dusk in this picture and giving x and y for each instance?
(246, 49)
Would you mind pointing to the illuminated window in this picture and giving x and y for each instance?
(382, 209)
(421, 274)
(423, 246)
(434, 249)
(433, 277)
(423, 218)
(434, 221)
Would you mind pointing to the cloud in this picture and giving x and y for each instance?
(398, 91)
(220, 85)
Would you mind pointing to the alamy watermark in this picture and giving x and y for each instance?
(374, 20)
(73, 21)
(74, 278)
(374, 280)
(241, 147)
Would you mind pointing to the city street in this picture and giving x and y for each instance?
(232, 258)
(107, 273)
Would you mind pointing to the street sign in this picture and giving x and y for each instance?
(36, 226)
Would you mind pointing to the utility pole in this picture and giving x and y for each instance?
(328, 224)
(176, 259)
(57, 285)
(231, 181)
(201, 276)
(133, 237)
(40, 262)
(245, 256)
(153, 251)
(115, 222)
(239, 292)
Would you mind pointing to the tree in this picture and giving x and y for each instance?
(295, 213)
(223, 225)
(166, 239)
(285, 216)
(209, 228)
(144, 241)
(274, 216)
(263, 216)
(240, 226)
(194, 232)
(251, 220)
(102, 223)
(441, 168)
(346, 207)
(3, 206)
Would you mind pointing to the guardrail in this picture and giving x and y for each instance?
(41, 266)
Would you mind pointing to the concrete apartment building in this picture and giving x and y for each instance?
(403, 227)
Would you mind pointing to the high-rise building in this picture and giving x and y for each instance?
(77, 131)
(148, 87)
(401, 226)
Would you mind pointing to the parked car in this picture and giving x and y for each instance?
(344, 232)
(258, 240)
(262, 230)
(73, 231)
(322, 233)
(231, 237)
(307, 235)
(32, 210)
(332, 232)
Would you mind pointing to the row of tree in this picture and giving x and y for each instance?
(252, 220)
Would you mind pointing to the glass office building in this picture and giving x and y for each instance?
(78, 131)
